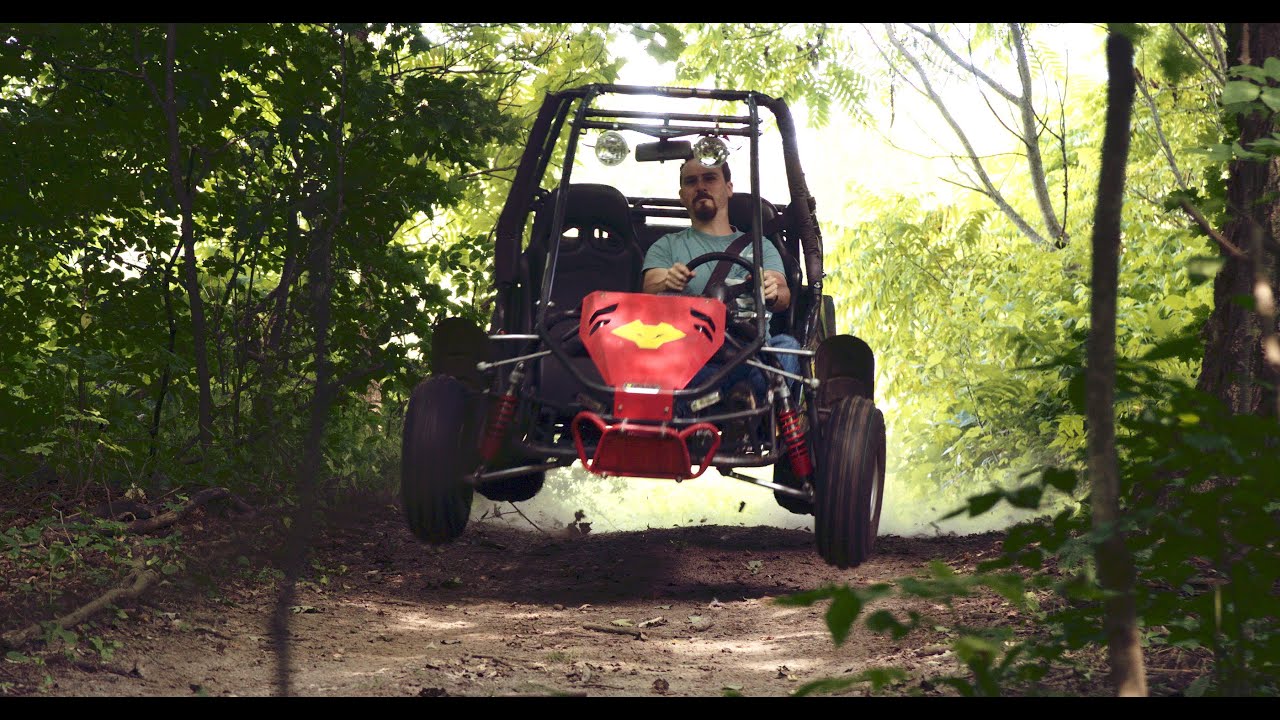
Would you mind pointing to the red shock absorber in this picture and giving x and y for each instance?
(793, 437)
(495, 431)
(500, 414)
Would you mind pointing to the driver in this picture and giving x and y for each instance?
(705, 193)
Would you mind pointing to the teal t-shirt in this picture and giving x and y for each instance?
(688, 244)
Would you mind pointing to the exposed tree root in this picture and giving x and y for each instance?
(145, 520)
(137, 582)
(166, 519)
(633, 632)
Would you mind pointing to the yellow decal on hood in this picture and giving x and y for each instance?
(648, 337)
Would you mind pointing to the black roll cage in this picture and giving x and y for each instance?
(544, 135)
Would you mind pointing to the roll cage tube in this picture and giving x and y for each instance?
(557, 213)
(537, 154)
(581, 123)
(511, 221)
(801, 201)
(803, 214)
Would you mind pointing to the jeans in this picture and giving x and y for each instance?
(755, 376)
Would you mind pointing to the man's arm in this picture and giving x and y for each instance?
(662, 273)
(776, 293)
(672, 279)
(654, 279)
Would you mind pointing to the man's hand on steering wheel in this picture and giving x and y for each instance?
(729, 293)
(678, 276)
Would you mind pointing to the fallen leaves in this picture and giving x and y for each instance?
(698, 623)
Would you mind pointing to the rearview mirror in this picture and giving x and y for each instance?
(664, 150)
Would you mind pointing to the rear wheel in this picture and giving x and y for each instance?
(437, 448)
(850, 486)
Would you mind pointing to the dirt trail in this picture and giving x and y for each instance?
(502, 611)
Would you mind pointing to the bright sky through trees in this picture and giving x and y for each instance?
(909, 156)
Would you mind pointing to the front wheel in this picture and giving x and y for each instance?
(850, 487)
(436, 449)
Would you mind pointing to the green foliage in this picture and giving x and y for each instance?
(963, 312)
(878, 678)
(1135, 32)
(811, 64)
(392, 142)
(1175, 60)
(846, 605)
(46, 552)
(1199, 518)
(663, 42)
(1248, 91)
(980, 340)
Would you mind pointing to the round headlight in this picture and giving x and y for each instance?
(711, 151)
(611, 148)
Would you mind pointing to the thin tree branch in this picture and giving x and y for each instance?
(888, 61)
(320, 268)
(1199, 55)
(992, 192)
(1216, 39)
(1031, 139)
(1155, 118)
(1211, 231)
(526, 519)
(166, 519)
(933, 35)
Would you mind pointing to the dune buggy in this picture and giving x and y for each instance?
(579, 365)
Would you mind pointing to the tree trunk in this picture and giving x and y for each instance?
(272, 362)
(157, 412)
(320, 280)
(1115, 566)
(191, 266)
(1235, 368)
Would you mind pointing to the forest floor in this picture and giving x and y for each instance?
(685, 611)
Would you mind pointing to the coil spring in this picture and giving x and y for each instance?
(496, 429)
(797, 448)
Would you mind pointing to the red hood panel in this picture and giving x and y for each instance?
(659, 341)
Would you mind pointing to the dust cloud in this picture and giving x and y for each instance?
(626, 504)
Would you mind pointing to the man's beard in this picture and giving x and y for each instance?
(705, 213)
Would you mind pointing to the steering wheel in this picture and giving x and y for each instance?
(721, 291)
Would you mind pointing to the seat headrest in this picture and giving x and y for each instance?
(742, 211)
(589, 204)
